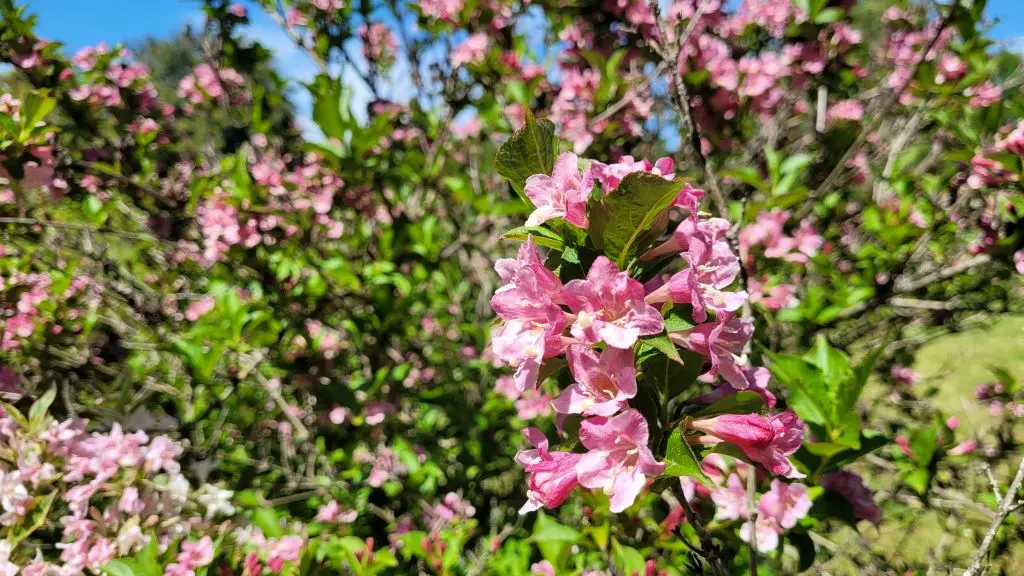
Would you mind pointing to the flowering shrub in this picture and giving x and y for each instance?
(272, 352)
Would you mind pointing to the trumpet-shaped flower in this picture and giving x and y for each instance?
(610, 307)
(562, 195)
(524, 344)
(720, 342)
(552, 474)
(530, 290)
(603, 383)
(618, 461)
(768, 441)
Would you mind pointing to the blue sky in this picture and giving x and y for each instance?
(79, 23)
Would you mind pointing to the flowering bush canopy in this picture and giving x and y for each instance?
(236, 339)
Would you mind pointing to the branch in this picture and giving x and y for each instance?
(894, 96)
(80, 227)
(670, 57)
(1006, 506)
(752, 514)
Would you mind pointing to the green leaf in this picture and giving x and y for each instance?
(831, 361)
(680, 459)
(808, 395)
(679, 318)
(744, 402)
(851, 388)
(541, 236)
(828, 16)
(631, 210)
(554, 540)
(118, 568)
(40, 406)
(531, 150)
(629, 560)
(331, 107)
(266, 519)
(663, 344)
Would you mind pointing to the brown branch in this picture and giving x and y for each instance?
(79, 227)
(1006, 506)
(670, 57)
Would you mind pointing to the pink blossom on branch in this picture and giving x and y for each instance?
(552, 474)
(564, 194)
(619, 461)
(610, 307)
(603, 384)
(470, 51)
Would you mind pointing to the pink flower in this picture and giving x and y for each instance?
(530, 290)
(904, 374)
(440, 9)
(332, 513)
(767, 441)
(603, 383)
(721, 342)
(610, 175)
(785, 503)
(237, 9)
(610, 307)
(376, 411)
(1015, 140)
(564, 194)
(987, 172)
(467, 128)
(730, 500)
(984, 94)
(949, 67)
(472, 50)
(712, 267)
(1018, 261)
(196, 554)
(199, 308)
(287, 549)
(533, 404)
(851, 487)
(524, 344)
(506, 386)
(618, 461)
(552, 474)
(849, 110)
(542, 568)
(966, 447)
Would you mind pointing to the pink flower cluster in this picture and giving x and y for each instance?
(206, 84)
(272, 553)
(379, 43)
(596, 321)
(470, 51)
(769, 231)
(112, 491)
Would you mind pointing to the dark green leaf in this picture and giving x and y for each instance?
(680, 458)
(663, 344)
(808, 395)
(744, 402)
(805, 547)
(630, 211)
(531, 150)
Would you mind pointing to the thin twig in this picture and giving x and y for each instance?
(76, 226)
(752, 514)
(670, 56)
(1006, 506)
